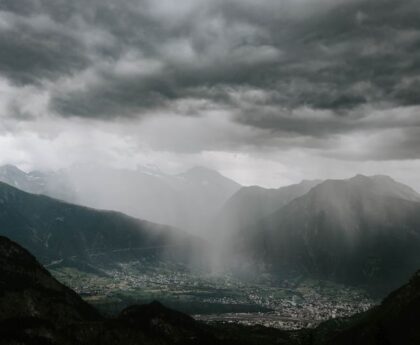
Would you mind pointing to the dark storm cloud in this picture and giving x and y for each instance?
(405, 147)
(36, 48)
(348, 55)
(299, 68)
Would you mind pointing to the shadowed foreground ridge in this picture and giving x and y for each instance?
(28, 290)
(36, 309)
(33, 305)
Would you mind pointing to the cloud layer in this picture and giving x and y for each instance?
(337, 79)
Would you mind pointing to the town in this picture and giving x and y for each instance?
(286, 304)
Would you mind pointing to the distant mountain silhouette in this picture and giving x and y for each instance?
(250, 204)
(365, 230)
(201, 192)
(52, 184)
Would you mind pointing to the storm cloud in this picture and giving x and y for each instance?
(283, 74)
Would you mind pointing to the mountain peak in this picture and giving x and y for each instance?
(379, 177)
(204, 175)
(386, 185)
(11, 169)
(201, 170)
(360, 177)
(379, 185)
(309, 183)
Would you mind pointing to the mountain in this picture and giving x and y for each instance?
(53, 184)
(393, 322)
(250, 204)
(22, 276)
(187, 201)
(35, 309)
(365, 230)
(55, 230)
(32, 183)
(33, 305)
(201, 192)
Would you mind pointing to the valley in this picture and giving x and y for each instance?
(337, 244)
(286, 304)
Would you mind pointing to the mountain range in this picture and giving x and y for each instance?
(360, 231)
(188, 200)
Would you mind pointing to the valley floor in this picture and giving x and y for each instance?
(285, 304)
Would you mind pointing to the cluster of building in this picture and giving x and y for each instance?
(293, 306)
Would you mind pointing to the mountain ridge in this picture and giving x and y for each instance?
(182, 200)
(53, 229)
(342, 230)
(250, 204)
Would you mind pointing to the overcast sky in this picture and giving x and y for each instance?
(268, 92)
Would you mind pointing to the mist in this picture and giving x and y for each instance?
(214, 209)
(190, 202)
